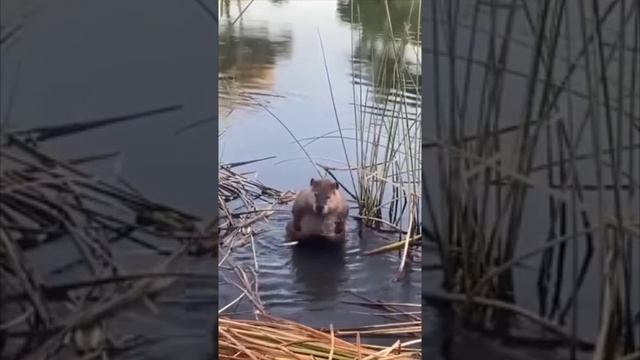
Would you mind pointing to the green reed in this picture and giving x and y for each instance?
(387, 125)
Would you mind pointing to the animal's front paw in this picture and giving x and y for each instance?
(339, 228)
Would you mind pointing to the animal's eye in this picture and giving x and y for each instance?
(315, 194)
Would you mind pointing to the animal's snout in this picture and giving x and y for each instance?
(319, 209)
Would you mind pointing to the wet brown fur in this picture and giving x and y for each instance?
(319, 210)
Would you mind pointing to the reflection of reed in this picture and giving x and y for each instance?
(397, 38)
(372, 15)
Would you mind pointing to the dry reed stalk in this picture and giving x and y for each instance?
(275, 338)
(488, 160)
(45, 201)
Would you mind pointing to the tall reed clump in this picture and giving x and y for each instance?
(533, 153)
(387, 111)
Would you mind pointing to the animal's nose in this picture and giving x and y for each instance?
(319, 208)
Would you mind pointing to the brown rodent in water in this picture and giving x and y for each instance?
(315, 207)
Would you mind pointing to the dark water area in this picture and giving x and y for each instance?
(78, 61)
(311, 284)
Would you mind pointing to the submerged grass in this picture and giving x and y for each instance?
(515, 121)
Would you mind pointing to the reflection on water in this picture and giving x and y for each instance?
(308, 260)
(248, 52)
(250, 49)
(311, 283)
(374, 53)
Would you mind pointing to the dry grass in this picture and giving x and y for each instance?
(274, 338)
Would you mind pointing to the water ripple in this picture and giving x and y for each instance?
(293, 279)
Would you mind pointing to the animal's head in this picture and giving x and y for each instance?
(322, 189)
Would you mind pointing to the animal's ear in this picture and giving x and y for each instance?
(336, 185)
(312, 181)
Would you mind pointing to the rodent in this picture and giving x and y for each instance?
(319, 210)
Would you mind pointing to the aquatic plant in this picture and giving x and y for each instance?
(387, 111)
(514, 119)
